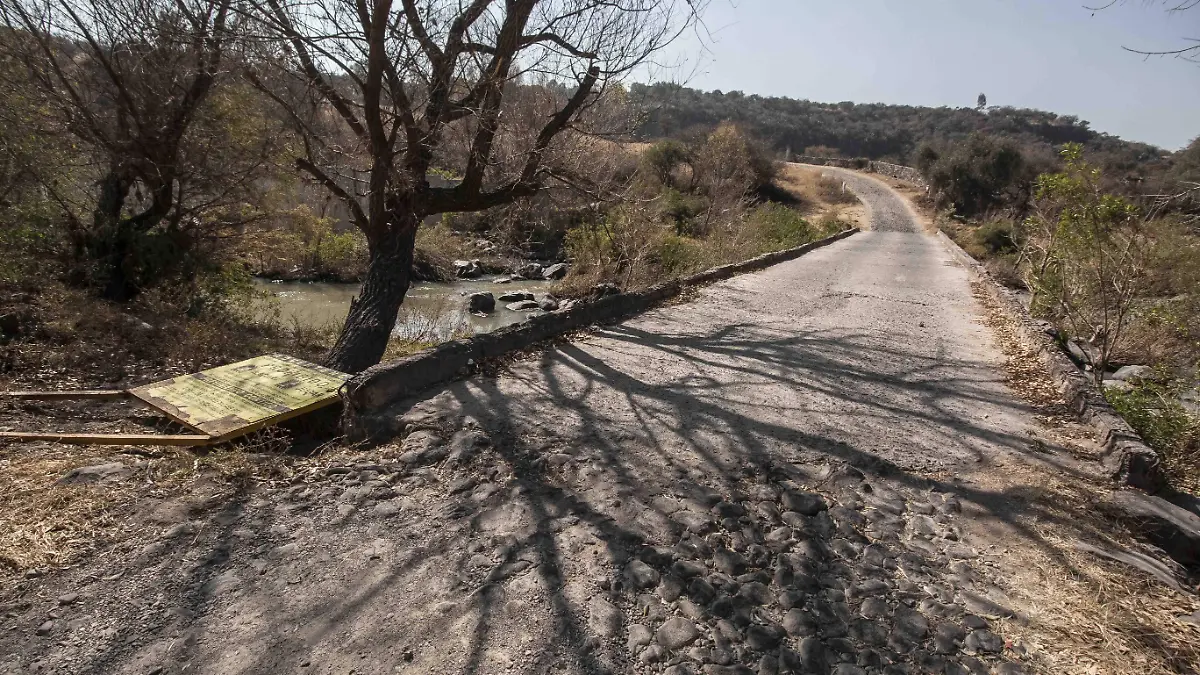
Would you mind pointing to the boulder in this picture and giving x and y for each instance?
(1132, 373)
(481, 303)
(1079, 352)
(555, 271)
(522, 306)
(548, 303)
(529, 271)
(1173, 529)
(468, 269)
(515, 296)
(98, 473)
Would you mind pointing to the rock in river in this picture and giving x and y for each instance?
(555, 271)
(481, 303)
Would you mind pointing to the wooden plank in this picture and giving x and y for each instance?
(106, 439)
(97, 394)
(235, 399)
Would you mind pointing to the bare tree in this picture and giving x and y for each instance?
(385, 94)
(1189, 51)
(129, 79)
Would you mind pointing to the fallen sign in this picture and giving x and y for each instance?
(221, 404)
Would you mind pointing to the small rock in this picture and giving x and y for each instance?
(804, 503)
(45, 628)
(812, 656)
(1132, 373)
(548, 303)
(68, 599)
(985, 642)
(874, 608)
(97, 474)
(677, 632)
(763, 638)
(729, 562)
(604, 617)
(798, 623)
(639, 636)
(651, 654)
(641, 575)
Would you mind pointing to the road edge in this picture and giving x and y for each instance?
(367, 396)
(1125, 457)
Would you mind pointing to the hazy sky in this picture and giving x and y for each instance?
(1053, 55)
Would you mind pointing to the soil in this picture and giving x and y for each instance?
(841, 464)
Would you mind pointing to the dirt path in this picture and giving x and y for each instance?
(795, 471)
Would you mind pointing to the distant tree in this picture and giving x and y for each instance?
(981, 102)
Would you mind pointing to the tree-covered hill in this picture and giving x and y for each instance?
(877, 130)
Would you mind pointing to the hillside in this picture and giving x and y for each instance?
(877, 130)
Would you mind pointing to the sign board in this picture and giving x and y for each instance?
(241, 397)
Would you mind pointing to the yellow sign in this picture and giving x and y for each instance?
(238, 398)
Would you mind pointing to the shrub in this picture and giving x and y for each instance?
(998, 237)
(680, 209)
(978, 175)
(679, 256)
(1153, 409)
(774, 227)
(1087, 253)
(660, 159)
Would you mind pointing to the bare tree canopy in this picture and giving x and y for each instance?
(130, 80)
(1190, 50)
(385, 94)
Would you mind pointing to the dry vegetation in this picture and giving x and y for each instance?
(1085, 615)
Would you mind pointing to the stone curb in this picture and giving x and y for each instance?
(1126, 457)
(372, 391)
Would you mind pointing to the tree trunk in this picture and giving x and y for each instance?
(110, 241)
(372, 316)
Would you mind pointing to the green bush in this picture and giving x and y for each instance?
(776, 227)
(998, 237)
(681, 255)
(977, 176)
(1153, 409)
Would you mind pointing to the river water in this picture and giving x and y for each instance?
(431, 311)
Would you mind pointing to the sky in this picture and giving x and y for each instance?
(1053, 55)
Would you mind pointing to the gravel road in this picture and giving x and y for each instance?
(737, 484)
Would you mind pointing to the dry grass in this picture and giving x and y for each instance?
(1086, 615)
(820, 197)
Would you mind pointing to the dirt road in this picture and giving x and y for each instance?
(773, 477)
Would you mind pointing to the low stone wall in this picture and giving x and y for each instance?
(905, 173)
(898, 171)
(1126, 457)
(371, 392)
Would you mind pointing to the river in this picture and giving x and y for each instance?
(431, 311)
